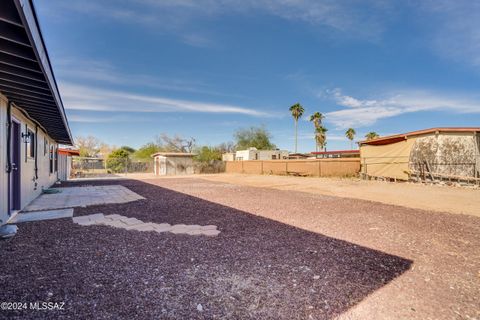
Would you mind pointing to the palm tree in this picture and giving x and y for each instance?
(371, 135)
(316, 118)
(297, 112)
(350, 134)
(321, 137)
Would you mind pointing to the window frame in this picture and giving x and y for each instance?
(31, 150)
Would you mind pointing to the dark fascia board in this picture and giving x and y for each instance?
(29, 18)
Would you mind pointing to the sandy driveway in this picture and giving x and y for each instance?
(427, 197)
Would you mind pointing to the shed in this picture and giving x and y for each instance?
(65, 162)
(173, 163)
(431, 153)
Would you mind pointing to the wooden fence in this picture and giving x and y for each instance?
(317, 168)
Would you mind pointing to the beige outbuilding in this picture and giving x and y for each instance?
(443, 153)
(173, 163)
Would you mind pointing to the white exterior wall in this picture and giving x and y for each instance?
(30, 188)
(254, 154)
(3, 158)
(244, 155)
(230, 156)
(268, 154)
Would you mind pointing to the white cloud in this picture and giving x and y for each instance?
(361, 113)
(78, 97)
(366, 20)
(79, 69)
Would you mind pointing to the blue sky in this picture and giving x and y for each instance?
(130, 70)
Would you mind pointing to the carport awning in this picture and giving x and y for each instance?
(26, 76)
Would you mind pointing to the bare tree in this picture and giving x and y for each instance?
(225, 147)
(88, 146)
(175, 143)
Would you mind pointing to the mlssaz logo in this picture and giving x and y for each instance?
(42, 305)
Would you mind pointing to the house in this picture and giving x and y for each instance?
(254, 154)
(299, 156)
(173, 163)
(32, 117)
(430, 153)
(229, 156)
(337, 154)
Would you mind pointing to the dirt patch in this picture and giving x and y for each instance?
(427, 197)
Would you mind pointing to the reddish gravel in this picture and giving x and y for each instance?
(279, 256)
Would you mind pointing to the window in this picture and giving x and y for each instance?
(274, 157)
(45, 146)
(31, 143)
(56, 159)
(50, 156)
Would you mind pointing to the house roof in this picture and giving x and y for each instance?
(174, 154)
(26, 76)
(404, 136)
(337, 152)
(69, 152)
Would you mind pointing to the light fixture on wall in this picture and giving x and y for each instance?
(26, 137)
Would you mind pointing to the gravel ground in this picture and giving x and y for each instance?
(280, 255)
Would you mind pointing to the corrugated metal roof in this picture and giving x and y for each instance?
(403, 136)
(174, 154)
(336, 152)
(26, 76)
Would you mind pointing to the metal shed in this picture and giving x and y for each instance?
(173, 163)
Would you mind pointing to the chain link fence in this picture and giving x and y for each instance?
(406, 168)
(83, 167)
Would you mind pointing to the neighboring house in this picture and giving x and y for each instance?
(436, 152)
(337, 154)
(32, 118)
(299, 156)
(254, 154)
(173, 163)
(229, 156)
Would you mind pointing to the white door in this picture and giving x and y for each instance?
(163, 166)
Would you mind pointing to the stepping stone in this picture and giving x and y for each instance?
(195, 232)
(87, 223)
(211, 233)
(194, 227)
(114, 217)
(209, 227)
(144, 227)
(179, 230)
(175, 226)
(131, 221)
(162, 227)
(81, 219)
(116, 224)
(96, 216)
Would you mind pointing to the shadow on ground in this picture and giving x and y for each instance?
(256, 268)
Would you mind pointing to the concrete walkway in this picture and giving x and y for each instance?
(82, 197)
